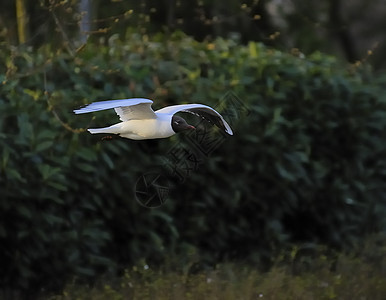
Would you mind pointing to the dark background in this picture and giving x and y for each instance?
(302, 85)
(348, 30)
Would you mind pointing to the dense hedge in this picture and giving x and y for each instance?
(306, 163)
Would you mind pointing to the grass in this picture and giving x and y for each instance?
(360, 277)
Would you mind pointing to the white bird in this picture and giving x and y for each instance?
(140, 122)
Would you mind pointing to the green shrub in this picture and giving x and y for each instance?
(352, 278)
(306, 163)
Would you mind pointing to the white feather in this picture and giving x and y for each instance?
(173, 109)
(140, 122)
(108, 104)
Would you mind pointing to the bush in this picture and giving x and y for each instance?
(306, 163)
(352, 278)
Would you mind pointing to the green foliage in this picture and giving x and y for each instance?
(306, 163)
(351, 278)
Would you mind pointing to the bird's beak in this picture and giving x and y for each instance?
(191, 127)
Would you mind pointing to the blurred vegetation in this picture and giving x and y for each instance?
(304, 171)
(319, 277)
(306, 164)
(352, 31)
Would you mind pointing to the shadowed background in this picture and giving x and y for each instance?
(302, 87)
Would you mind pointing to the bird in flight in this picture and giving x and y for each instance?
(140, 122)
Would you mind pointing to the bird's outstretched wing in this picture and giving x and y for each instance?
(203, 111)
(126, 109)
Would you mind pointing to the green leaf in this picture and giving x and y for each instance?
(47, 171)
(43, 146)
(14, 174)
(87, 154)
(108, 160)
(86, 167)
(24, 211)
(58, 186)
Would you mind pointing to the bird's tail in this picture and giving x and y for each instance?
(101, 130)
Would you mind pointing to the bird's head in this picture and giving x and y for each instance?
(179, 124)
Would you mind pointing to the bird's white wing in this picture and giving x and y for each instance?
(203, 111)
(127, 109)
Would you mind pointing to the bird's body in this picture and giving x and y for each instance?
(140, 129)
(140, 122)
